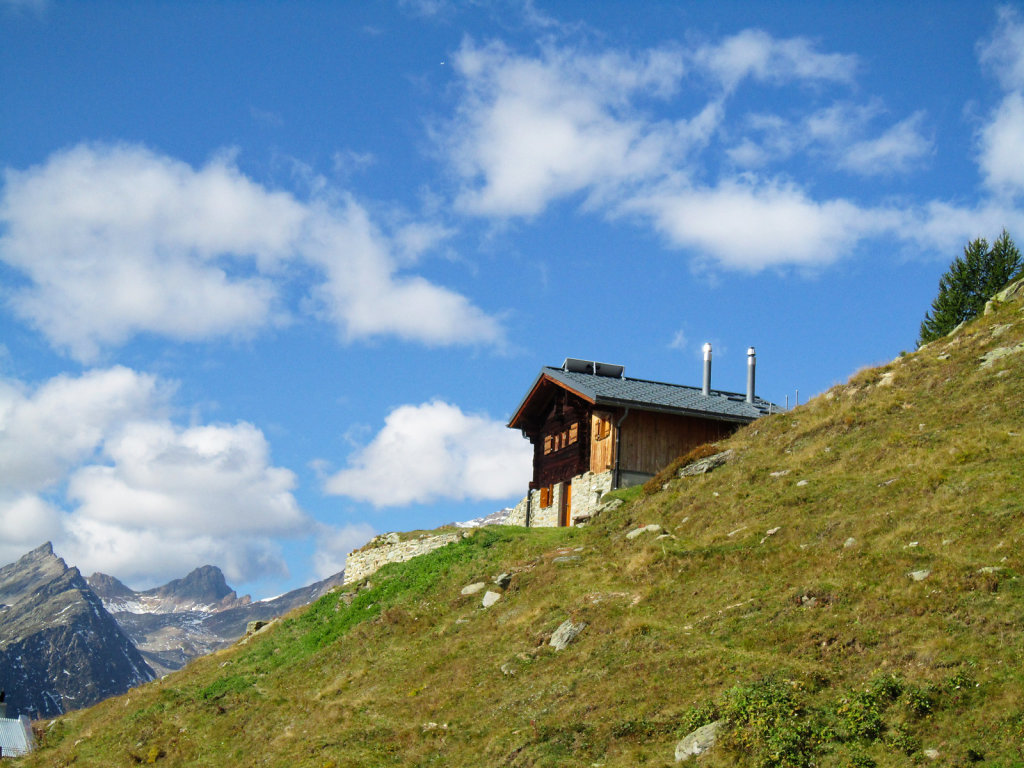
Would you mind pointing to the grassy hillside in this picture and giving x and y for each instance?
(845, 592)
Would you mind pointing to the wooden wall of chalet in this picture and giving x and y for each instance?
(561, 447)
(650, 441)
(602, 441)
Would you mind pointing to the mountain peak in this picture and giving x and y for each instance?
(205, 584)
(42, 550)
(109, 586)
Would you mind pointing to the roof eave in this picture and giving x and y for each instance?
(514, 422)
(640, 406)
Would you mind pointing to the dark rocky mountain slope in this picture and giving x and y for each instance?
(59, 648)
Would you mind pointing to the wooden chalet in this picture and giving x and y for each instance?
(588, 421)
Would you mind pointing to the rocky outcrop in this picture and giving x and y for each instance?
(698, 742)
(566, 633)
(637, 532)
(1012, 292)
(59, 648)
(707, 464)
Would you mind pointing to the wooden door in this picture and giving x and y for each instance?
(566, 511)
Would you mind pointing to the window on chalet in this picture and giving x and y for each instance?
(560, 440)
(545, 496)
(602, 427)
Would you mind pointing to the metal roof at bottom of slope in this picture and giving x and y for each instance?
(14, 739)
(660, 396)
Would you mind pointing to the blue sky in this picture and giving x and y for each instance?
(273, 276)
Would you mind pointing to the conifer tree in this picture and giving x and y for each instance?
(970, 281)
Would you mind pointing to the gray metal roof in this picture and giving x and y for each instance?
(15, 736)
(659, 396)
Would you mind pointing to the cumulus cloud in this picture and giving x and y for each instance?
(750, 226)
(1001, 140)
(1002, 146)
(26, 521)
(201, 480)
(94, 464)
(119, 240)
(944, 226)
(363, 296)
(755, 54)
(531, 130)
(895, 151)
(435, 451)
(840, 134)
(1004, 52)
(63, 422)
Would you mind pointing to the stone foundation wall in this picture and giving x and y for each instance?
(389, 548)
(546, 517)
(518, 514)
(587, 490)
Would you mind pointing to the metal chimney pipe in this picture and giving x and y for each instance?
(706, 390)
(751, 364)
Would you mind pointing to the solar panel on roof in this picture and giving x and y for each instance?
(576, 365)
(607, 369)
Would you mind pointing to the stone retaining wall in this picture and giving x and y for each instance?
(389, 548)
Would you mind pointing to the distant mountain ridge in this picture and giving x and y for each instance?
(204, 589)
(59, 648)
(193, 615)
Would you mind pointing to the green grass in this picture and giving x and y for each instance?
(812, 643)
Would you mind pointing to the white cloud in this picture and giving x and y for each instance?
(93, 464)
(43, 433)
(26, 521)
(435, 451)
(895, 151)
(119, 240)
(840, 134)
(945, 227)
(1001, 141)
(751, 226)
(364, 297)
(146, 558)
(530, 131)
(755, 54)
(1002, 147)
(202, 480)
(1004, 53)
